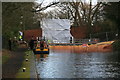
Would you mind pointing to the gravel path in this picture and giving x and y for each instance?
(10, 68)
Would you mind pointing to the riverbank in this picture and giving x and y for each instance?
(13, 65)
(29, 65)
(6, 55)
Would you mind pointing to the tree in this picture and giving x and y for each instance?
(112, 13)
(12, 14)
(82, 13)
(39, 10)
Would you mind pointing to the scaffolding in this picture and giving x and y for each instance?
(56, 30)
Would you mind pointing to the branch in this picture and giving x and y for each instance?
(96, 10)
(96, 5)
(46, 7)
(71, 12)
(39, 4)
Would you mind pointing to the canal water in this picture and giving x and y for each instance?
(68, 64)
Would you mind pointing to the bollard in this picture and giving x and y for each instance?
(26, 60)
(24, 69)
(27, 54)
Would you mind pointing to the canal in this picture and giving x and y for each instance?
(69, 64)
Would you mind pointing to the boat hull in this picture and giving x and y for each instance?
(40, 51)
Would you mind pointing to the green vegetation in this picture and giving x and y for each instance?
(25, 64)
(116, 45)
(6, 55)
(112, 14)
(16, 16)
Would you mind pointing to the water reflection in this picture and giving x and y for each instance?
(41, 57)
(67, 64)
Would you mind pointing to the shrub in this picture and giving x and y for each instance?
(116, 45)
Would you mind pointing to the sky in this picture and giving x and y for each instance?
(46, 2)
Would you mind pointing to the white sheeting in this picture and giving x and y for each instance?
(56, 30)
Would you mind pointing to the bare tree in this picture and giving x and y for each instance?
(39, 10)
(81, 13)
(84, 13)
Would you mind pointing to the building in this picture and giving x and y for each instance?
(34, 32)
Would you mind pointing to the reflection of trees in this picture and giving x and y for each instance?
(113, 57)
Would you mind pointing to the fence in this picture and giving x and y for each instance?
(105, 36)
(98, 37)
(93, 38)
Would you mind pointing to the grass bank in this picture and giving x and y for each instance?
(27, 65)
(6, 55)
